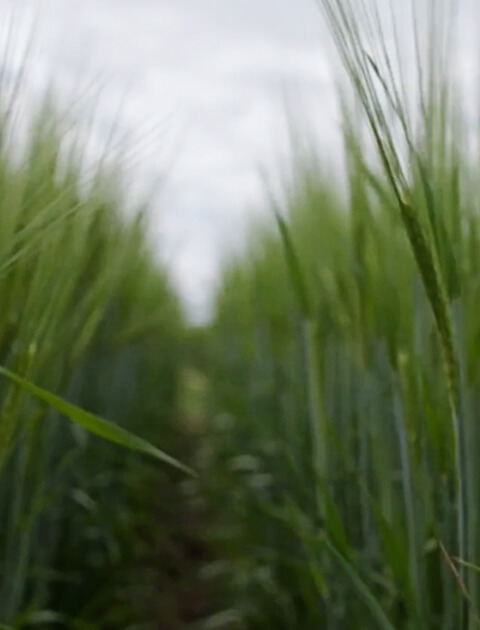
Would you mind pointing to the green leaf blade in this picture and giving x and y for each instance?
(95, 424)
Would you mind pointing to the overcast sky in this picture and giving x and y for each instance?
(206, 75)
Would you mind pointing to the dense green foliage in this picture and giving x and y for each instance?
(88, 314)
(336, 390)
(345, 365)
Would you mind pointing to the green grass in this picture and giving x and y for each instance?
(335, 392)
(90, 331)
(344, 361)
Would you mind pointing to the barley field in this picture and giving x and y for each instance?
(309, 457)
(344, 359)
(87, 317)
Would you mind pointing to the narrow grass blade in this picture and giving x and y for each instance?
(362, 589)
(94, 424)
(468, 565)
(297, 277)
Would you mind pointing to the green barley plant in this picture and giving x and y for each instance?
(344, 358)
(90, 332)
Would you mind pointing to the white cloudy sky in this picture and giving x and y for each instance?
(207, 76)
